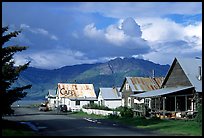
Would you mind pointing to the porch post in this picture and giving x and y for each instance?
(186, 108)
(175, 103)
(164, 106)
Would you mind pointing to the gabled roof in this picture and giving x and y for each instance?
(190, 67)
(110, 93)
(52, 92)
(141, 84)
(76, 90)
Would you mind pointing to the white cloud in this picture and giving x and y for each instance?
(158, 29)
(170, 39)
(58, 58)
(115, 35)
(39, 31)
(91, 31)
(108, 42)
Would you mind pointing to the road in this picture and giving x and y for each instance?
(53, 124)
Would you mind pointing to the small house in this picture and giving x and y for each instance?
(136, 85)
(75, 95)
(51, 99)
(109, 97)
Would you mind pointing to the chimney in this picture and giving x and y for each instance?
(153, 73)
(199, 73)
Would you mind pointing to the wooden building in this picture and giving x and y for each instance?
(180, 92)
(135, 85)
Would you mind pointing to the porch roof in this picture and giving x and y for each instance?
(162, 91)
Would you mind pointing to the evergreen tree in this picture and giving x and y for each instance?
(10, 73)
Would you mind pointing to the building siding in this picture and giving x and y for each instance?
(177, 77)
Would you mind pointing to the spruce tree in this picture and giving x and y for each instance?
(10, 72)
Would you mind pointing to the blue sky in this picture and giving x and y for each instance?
(69, 33)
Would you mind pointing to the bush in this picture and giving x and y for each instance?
(113, 116)
(96, 106)
(198, 117)
(126, 112)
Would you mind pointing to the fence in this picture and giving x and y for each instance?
(100, 112)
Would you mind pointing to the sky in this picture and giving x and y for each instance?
(67, 33)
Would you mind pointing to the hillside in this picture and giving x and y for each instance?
(111, 73)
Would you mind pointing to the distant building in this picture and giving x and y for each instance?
(110, 97)
(181, 90)
(51, 99)
(75, 95)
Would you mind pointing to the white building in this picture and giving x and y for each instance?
(110, 97)
(75, 95)
(51, 98)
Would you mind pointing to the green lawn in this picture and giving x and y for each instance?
(163, 126)
(166, 127)
(12, 128)
(85, 115)
(12, 132)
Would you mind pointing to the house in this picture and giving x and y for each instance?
(181, 90)
(135, 85)
(51, 99)
(110, 97)
(75, 95)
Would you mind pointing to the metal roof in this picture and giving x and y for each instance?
(190, 67)
(162, 91)
(75, 90)
(110, 93)
(144, 84)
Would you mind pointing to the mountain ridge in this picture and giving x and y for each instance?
(108, 74)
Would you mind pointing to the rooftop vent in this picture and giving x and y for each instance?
(200, 73)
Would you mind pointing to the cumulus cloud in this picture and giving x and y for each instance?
(112, 40)
(170, 38)
(131, 28)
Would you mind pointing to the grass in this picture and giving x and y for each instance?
(85, 115)
(12, 132)
(12, 128)
(166, 127)
(162, 126)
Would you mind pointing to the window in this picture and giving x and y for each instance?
(147, 102)
(77, 102)
(127, 87)
(129, 101)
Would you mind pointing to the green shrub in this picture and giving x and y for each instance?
(198, 117)
(126, 112)
(113, 116)
(96, 106)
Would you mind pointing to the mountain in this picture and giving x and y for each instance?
(108, 74)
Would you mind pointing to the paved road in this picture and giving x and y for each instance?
(52, 124)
